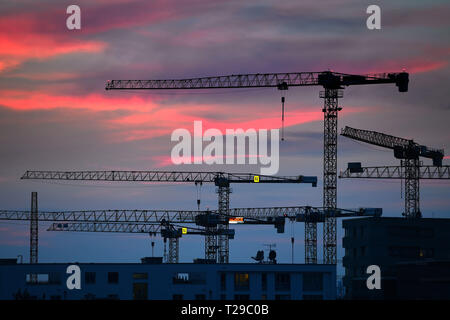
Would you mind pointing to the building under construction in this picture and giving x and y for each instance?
(413, 255)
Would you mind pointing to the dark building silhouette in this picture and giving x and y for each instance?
(154, 280)
(413, 255)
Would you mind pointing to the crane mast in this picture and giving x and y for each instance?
(409, 152)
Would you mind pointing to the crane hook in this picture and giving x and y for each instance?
(198, 185)
(283, 87)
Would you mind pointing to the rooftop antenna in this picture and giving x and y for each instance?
(269, 247)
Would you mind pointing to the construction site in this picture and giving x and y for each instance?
(214, 276)
(224, 151)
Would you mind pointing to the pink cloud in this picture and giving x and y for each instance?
(26, 100)
(36, 35)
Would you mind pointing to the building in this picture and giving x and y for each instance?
(406, 250)
(187, 281)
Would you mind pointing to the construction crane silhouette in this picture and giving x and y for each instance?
(147, 221)
(167, 231)
(173, 232)
(410, 169)
(34, 234)
(332, 82)
(216, 247)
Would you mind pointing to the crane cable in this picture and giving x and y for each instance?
(292, 241)
(282, 118)
(198, 185)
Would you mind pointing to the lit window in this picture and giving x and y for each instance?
(241, 281)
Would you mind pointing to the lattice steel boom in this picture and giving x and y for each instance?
(411, 173)
(157, 221)
(174, 216)
(331, 82)
(164, 176)
(258, 80)
(396, 172)
(216, 248)
(409, 152)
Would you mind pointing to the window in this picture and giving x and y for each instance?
(140, 291)
(282, 281)
(241, 281)
(264, 281)
(410, 232)
(354, 252)
(42, 278)
(54, 278)
(312, 297)
(177, 297)
(426, 253)
(312, 281)
(189, 278)
(404, 252)
(361, 231)
(282, 297)
(113, 297)
(223, 297)
(363, 251)
(181, 277)
(223, 281)
(140, 276)
(89, 277)
(241, 297)
(200, 297)
(113, 277)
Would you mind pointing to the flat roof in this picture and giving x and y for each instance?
(180, 263)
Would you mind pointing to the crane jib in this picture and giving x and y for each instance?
(326, 79)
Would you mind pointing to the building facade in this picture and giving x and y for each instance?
(398, 246)
(182, 281)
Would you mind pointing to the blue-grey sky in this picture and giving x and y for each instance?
(56, 115)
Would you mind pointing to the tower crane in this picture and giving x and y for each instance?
(173, 232)
(332, 82)
(216, 247)
(166, 230)
(149, 221)
(411, 169)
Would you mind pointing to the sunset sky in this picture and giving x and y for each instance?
(56, 115)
